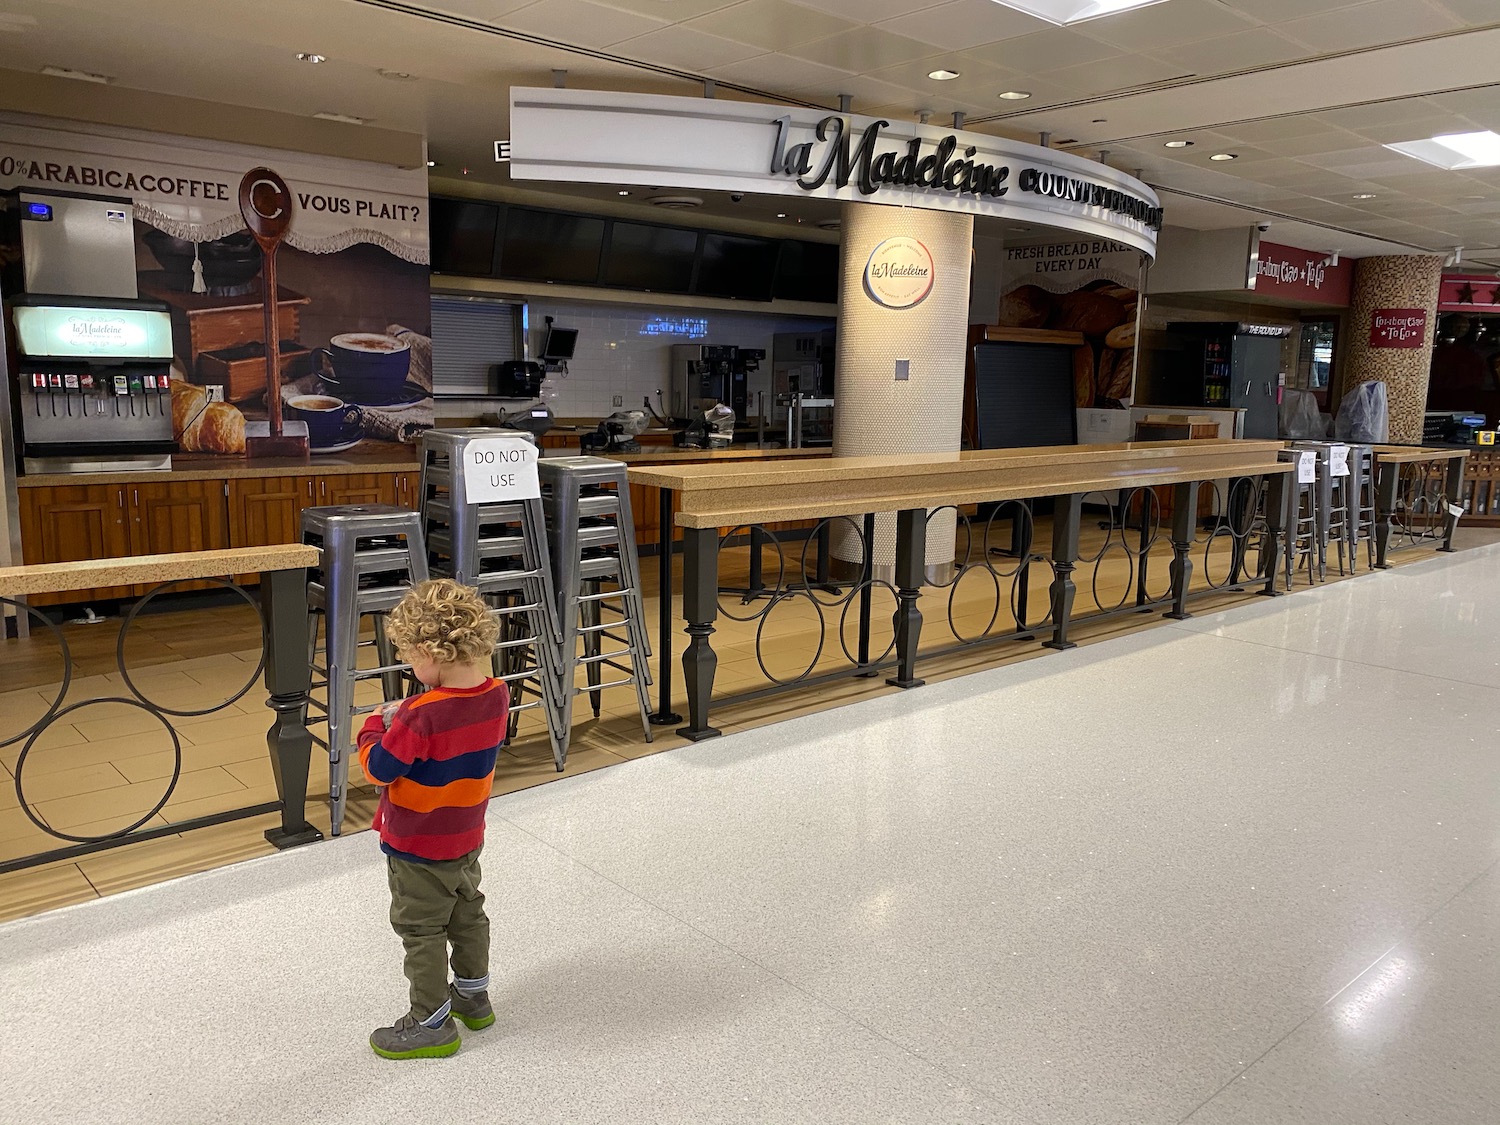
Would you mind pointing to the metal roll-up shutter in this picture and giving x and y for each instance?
(469, 335)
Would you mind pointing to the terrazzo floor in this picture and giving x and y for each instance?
(1252, 880)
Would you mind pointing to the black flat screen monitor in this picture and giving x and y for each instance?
(808, 271)
(1025, 395)
(551, 246)
(463, 236)
(736, 266)
(560, 343)
(650, 258)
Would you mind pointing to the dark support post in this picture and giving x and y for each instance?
(1065, 517)
(757, 584)
(664, 713)
(288, 680)
(1147, 497)
(1278, 494)
(1023, 575)
(825, 549)
(1239, 507)
(866, 591)
(1388, 477)
(1453, 492)
(911, 568)
(700, 606)
(1184, 516)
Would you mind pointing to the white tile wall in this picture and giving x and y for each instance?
(625, 350)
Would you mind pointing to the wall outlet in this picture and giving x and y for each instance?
(215, 393)
(619, 400)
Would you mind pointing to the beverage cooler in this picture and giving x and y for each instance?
(1225, 366)
(91, 388)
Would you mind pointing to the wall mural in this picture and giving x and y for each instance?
(353, 297)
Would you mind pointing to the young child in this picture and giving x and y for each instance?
(433, 756)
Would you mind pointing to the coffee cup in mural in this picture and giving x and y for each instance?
(364, 365)
(330, 421)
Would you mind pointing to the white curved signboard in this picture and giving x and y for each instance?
(590, 136)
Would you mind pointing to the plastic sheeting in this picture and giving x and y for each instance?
(1300, 418)
(1364, 415)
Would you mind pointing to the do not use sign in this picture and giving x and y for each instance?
(499, 469)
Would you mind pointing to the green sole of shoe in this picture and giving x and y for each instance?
(475, 1025)
(442, 1051)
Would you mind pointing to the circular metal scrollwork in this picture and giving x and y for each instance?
(786, 598)
(853, 657)
(773, 590)
(54, 717)
(67, 677)
(135, 612)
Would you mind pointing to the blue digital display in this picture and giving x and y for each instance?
(41, 211)
(685, 327)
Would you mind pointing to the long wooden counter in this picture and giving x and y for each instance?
(712, 496)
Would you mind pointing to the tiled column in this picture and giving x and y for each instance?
(874, 412)
(1396, 282)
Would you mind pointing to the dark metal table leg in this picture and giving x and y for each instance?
(757, 584)
(664, 713)
(866, 591)
(911, 568)
(1144, 548)
(1278, 494)
(1184, 516)
(825, 551)
(700, 606)
(1453, 490)
(288, 680)
(1388, 478)
(1065, 516)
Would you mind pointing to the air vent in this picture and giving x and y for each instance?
(676, 202)
(830, 224)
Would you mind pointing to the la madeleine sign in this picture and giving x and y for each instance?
(588, 136)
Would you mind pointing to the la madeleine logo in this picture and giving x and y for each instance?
(900, 273)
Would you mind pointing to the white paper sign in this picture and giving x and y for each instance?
(1307, 466)
(500, 469)
(1338, 460)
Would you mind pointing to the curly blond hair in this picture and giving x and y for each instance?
(445, 621)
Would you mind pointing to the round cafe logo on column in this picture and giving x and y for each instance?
(900, 273)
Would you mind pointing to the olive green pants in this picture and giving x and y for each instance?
(433, 906)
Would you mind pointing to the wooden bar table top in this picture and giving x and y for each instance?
(88, 574)
(1408, 454)
(772, 491)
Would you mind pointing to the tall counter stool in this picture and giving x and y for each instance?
(1362, 503)
(1334, 503)
(500, 550)
(1300, 520)
(591, 536)
(372, 554)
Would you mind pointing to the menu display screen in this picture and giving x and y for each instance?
(463, 236)
(65, 332)
(652, 258)
(735, 266)
(551, 246)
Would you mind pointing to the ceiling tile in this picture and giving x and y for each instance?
(1111, 75)
(580, 22)
(480, 9)
(1476, 13)
(1414, 130)
(1045, 51)
(776, 72)
(1275, 11)
(686, 49)
(676, 10)
(871, 97)
(1316, 143)
(964, 23)
(863, 49)
(1369, 25)
(1167, 25)
(1245, 50)
(867, 11)
(774, 25)
(1270, 130)
(977, 81)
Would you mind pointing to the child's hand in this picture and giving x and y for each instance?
(387, 711)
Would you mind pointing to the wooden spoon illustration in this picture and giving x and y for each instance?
(266, 204)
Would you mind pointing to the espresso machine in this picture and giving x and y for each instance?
(91, 390)
(705, 374)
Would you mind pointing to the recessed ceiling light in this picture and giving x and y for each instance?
(1365, 195)
(1455, 151)
(342, 118)
(77, 75)
(1063, 12)
(1178, 144)
(1015, 95)
(942, 75)
(781, 214)
(310, 57)
(432, 164)
(1225, 156)
(622, 192)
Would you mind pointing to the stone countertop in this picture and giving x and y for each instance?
(680, 456)
(208, 466)
(773, 491)
(1403, 454)
(55, 578)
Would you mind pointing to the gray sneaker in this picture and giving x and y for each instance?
(409, 1039)
(474, 1011)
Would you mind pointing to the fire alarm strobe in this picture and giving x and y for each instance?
(266, 204)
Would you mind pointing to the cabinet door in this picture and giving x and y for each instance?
(71, 523)
(408, 490)
(189, 515)
(356, 488)
(264, 511)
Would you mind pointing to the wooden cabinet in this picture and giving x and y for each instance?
(409, 490)
(267, 510)
(185, 515)
(355, 488)
(71, 523)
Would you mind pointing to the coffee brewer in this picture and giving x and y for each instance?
(706, 374)
(91, 391)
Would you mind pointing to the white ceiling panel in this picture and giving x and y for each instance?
(686, 49)
(581, 22)
(1277, 11)
(773, 25)
(862, 11)
(778, 72)
(963, 23)
(1046, 51)
(1244, 50)
(863, 49)
(661, 9)
(1369, 25)
(1475, 13)
(1108, 75)
(1167, 25)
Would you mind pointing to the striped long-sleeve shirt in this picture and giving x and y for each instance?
(435, 764)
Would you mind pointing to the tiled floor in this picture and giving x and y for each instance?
(1240, 870)
(106, 765)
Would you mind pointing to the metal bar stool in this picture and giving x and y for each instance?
(591, 536)
(1362, 503)
(500, 550)
(1334, 503)
(1301, 524)
(372, 554)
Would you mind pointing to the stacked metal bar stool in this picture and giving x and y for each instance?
(1301, 522)
(591, 535)
(371, 556)
(500, 550)
(1362, 503)
(1334, 502)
